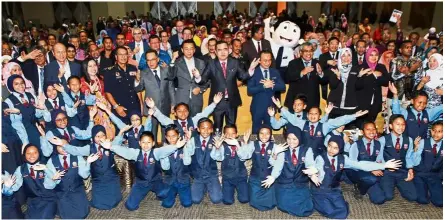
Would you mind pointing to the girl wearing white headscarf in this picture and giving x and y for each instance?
(431, 81)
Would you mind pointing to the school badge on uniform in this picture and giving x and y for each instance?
(181, 156)
(152, 160)
(107, 153)
(302, 159)
(441, 153)
(341, 166)
(118, 74)
(405, 146)
(41, 176)
(73, 136)
(74, 164)
(425, 120)
(33, 102)
(319, 133)
(210, 146)
(133, 73)
(377, 152)
(269, 152)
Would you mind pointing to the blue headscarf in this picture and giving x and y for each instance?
(340, 142)
(96, 129)
(296, 131)
(11, 82)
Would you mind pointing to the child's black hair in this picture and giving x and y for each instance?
(367, 122)
(181, 103)
(231, 126)
(147, 134)
(318, 108)
(202, 120)
(436, 123)
(301, 97)
(73, 77)
(171, 127)
(394, 117)
(419, 93)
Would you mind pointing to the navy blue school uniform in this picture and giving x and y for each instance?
(316, 141)
(429, 172)
(133, 134)
(72, 202)
(261, 198)
(262, 97)
(81, 119)
(234, 175)
(204, 170)
(61, 105)
(416, 122)
(292, 186)
(10, 206)
(176, 169)
(397, 178)
(366, 181)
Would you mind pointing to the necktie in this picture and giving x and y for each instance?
(24, 101)
(311, 132)
(136, 132)
(183, 125)
(233, 147)
(294, 157)
(223, 66)
(65, 163)
(203, 145)
(259, 47)
(76, 98)
(368, 148)
(418, 118)
(99, 150)
(138, 56)
(41, 79)
(265, 74)
(31, 173)
(158, 80)
(333, 164)
(145, 159)
(333, 55)
(434, 149)
(55, 104)
(360, 61)
(306, 64)
(263, 149)
(398, 145)
(279, 57)
(66, 136)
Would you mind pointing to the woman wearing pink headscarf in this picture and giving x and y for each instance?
(311, 22)
(13, 68)
(371, 79)
(145, 34)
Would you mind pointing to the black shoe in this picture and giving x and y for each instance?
(357, 194)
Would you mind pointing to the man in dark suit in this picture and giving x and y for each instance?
(138, 46)
(223, 73)
(177, 39)
(187, 90)
(305, 76)
(154, 80)
(33, 65)
(252, 48)
(187, 34)
(358, 56)
(102, 61)
(61, 69)
(328, 61)
(64, 37)
(262, 86)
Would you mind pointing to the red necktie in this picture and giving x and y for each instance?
(233, 147)
(418, 118)
(136, 132)
(99, 149)
(259, 47)
(263, 149)
(145, 159)
(294, 157)
(434, 149)
(66, 136)
(368, 148)
(203, 145)
(32, 174)
(25, 103)
(183, 124)
(55, 104)
(311, 132)
(223, 65)
(360, 61)
(77, 98)
(398, 145)
(333, 164)
(65, 163)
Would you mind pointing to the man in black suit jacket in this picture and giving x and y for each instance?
(177, 39)
(33, 65)
(64, 37)
(211, 55)
(102, 61)
(223, 73)
(358, 57)
(328, 61)
(252, 48)
(57, 71)
(305, 76)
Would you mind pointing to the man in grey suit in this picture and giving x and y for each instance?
(154, 80)
(188, 91)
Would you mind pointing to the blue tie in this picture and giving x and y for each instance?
(41, 78)
(158, 80)
(265, 74)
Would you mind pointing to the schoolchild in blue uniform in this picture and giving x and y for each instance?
(26, 103)
(106, 190)
(260, 151)
(147, 167)
(42, 202)
(313, 130)
(10, 139)
(416, 115)
(57, 99)
(203, 165)
(338, 132)
(10, 206)
(398, 145)
(233, 169)
(176, 169)
(428, 159)
(183, 121)
(327, 195)
(292, 185)
(367, 149)
(80, 120)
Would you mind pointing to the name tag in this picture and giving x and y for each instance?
(133, 73)
(353, 73)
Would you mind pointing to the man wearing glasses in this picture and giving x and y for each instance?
(138, 46)
(305, 77)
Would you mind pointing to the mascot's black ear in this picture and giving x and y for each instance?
(277, 22)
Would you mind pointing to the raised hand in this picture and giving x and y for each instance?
(106, 144)
(425, 79)
(150, 112)
(181, 142)
(61, 72)
(56, 141)
(364, 72)
(5, 148)
(41, 101)
(392, 88)
(268, 182)
(40, 129)
(188, 133)
(307, 70)
(314, 178)
(92, 158)
(93, 87)
(332, 62)
(9, 181)
(329, 108)
(393, 164)
(246, 136)
(59, 87)
(93, 112)
(271, 111)
(103, 107)
(276, 102)
(59, 174)
(410, 176)
(150, 102)
(310, 171)
(336, 72)
(218, 97)
(361, 113)
(417, 143)
(217, 141)
(254, 63)
(196, 73)
(77, 103)
(281, 148)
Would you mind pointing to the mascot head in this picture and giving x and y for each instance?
(286, 33)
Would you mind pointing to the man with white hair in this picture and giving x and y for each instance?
(138, 46)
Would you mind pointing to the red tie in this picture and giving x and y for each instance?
(55, 104)
(333, 164)
(368, 148)
(66, 136)
(32, 174)
(203, 145)
(223, 65)
(418, 118)
(99, 149)
(183, 124)
(259, 47)
(136, 132)
(398, 145)
(65, 163)
(360, 61)
(434, 149)
(145, 159)
(77, 98)
(233, 147)
(311, 132)
(294, 157)
(263, 149)
(25, 103)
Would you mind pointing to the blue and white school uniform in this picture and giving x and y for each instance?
(282, 121)
(133, 134)
(429, 172)
(366, 181)
(292, 186)
(80, 120)
(147, 171)
(72, 202)
(10, 207)
(71, 134)
(63, 102)
(204, 170)
(397, 178)
(416, 122)
(328, 197)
